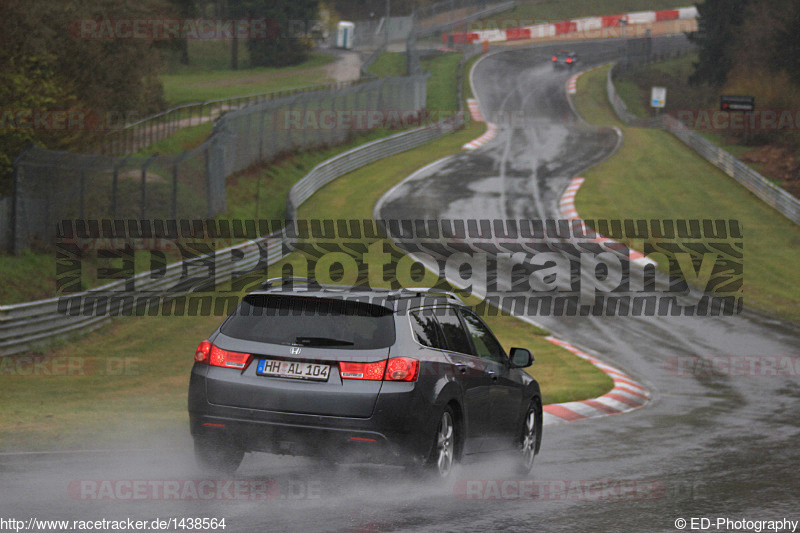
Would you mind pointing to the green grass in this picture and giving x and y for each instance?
(145, 395)
(64, 411)
(632, 95)
(440, 96)
(198, 85)
(18, 283)
(389, 64)
(634, 86)
(205, 55)
(181, 141)
(261, 192)
(655, 176)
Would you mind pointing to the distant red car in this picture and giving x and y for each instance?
(564, 58)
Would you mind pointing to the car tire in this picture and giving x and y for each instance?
(531, 427)
(443, 457)
(217, 456)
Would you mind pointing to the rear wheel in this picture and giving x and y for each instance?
(443, 454)
(530, 437)
(217, 456)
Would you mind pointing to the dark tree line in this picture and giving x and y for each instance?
(47, 66)
(752, 35)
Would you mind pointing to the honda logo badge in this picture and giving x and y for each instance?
(295, 350)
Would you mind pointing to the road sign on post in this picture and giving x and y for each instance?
(744, 104)
(737, 103)
(658, 97)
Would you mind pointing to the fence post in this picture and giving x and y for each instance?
(175, 164)
(83, 185)
(114, 180)
(16, 202)
(143, 207)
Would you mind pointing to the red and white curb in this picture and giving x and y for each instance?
(585, 24)
(567, 203)
(491, 131)
(474, 109)
(568, 211)
(626, 395)
(572, 84)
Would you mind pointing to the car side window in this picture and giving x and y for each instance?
(486, 346)
(454, 334)
(426, 329)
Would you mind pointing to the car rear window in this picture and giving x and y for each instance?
(426, 329)
(307, 321)
(454, 334)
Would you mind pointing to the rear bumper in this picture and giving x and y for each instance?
(342, 444)
(399, 431)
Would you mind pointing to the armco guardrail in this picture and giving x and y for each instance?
(785, 203)
(435, 25)
(621, 109)
(23, 326)
(770, 193)
(331, 169)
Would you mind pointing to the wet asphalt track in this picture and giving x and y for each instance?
(705, 446)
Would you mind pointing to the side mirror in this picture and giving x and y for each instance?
(521, 358)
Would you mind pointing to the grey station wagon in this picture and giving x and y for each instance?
(409, 376)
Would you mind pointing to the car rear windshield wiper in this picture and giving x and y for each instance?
(321, 341)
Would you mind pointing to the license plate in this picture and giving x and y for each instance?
(293, 369)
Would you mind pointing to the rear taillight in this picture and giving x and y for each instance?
(201, 355)
(395, 369)
(569, 60)
(366, 371)
(402, 369)
(555, 58)
(209, 354)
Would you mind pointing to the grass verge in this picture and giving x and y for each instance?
(198, 84)
(82, 397)
(389, 64)
(655, 176)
